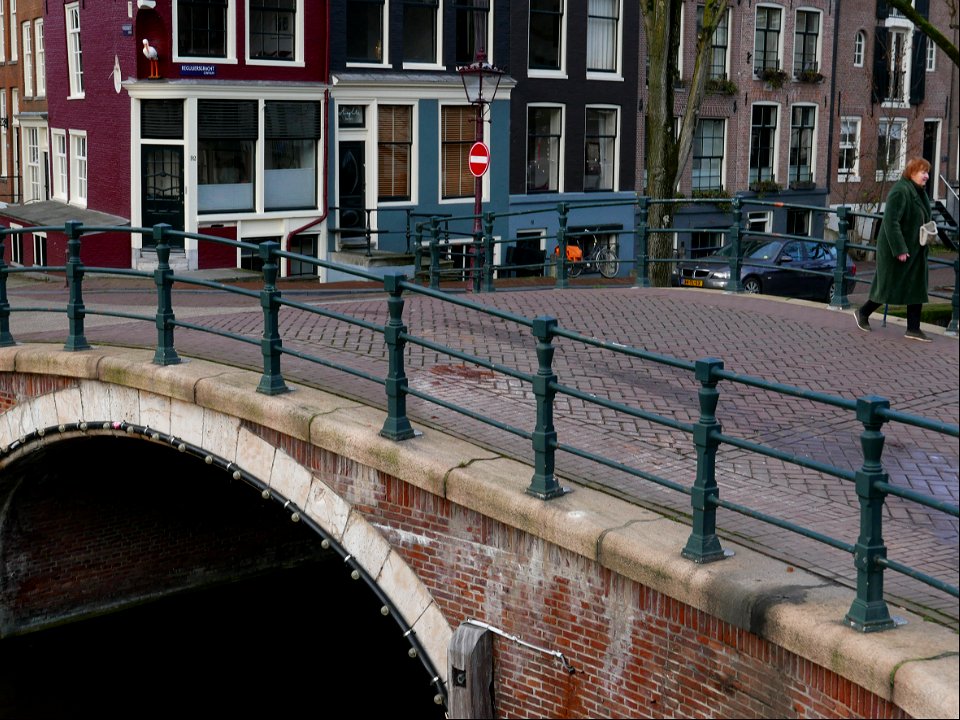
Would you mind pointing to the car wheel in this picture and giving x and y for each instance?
(830, 291)
(752, 285)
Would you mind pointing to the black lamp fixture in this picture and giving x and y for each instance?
(480, 80)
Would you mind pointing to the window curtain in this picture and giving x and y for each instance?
(602, 35)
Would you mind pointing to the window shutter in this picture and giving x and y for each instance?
(883, 10)
(292, 120)
(918, 68)
(161, 119)
(227, 120)
(881, 64)
(922, 7)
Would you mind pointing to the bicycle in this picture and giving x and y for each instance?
(601, 258)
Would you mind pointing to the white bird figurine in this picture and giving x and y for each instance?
(150, 53)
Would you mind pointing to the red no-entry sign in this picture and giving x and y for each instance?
(479, 159)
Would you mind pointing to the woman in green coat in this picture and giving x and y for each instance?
(901, 277)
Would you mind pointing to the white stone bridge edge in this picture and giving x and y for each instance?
(223, 435)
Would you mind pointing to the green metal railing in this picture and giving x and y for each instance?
(869, 610)
(432, 239)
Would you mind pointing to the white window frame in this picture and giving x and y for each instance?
(40, 54)
(820, 35)
(561, 160)
(813, 139)
(59, 174)
(485, 180)
(776, 141)
(780, 33)
(617, 72)
(723, 162)
(899, 26)
(16, 245)
(299, 38)
(79, 168)
(859, 48)
(438, 47)
(615, 160)
(14, 29)
(759, 221)
(231, 49)
(894, 172)
(3, 129)
(414, 169)
(39, 249)
(384, 40)
(854, 174)
(931, 56)
(560, 72)
(3, 40)
(74, 50)
(33, 167)
(28, 86)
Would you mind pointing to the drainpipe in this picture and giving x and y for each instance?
(833, 98)
(326, 153)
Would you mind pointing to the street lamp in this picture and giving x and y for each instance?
(480, 83)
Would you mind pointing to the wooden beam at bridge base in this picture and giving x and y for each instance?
(470, 676)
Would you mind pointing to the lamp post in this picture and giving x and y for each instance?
(480, 82)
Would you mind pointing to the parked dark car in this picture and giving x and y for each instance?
(771, 266)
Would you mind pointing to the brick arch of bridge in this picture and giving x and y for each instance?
(454, 538)
(43, 410)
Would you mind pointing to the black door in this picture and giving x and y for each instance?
(162, 167)
(929, 152)
(351, 192)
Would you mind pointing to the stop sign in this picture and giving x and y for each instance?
(479, 159)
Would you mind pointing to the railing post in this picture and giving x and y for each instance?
(75, 309)
(703, 545)
(952, 328)
(839, 300)
(641, 243)
(397, 425)
(166, 354)
(366, 230)
(271, 382)
(488, 253)
(418, 253)
(562, 280)
(869, 611)
(434, 253)
(544, 484)
(734, 239)
(6, 339)
(474, 260)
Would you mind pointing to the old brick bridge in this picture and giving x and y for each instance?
(580, 606)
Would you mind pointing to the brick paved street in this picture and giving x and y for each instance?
(796, 343)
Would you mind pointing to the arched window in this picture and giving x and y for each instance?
(859, 43)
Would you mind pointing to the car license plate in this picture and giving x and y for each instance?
(691, 283)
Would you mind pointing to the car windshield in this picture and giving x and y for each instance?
(756, 249)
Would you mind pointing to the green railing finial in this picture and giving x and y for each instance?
(703, 545)
(271, 382)
(562, 280)
(6, 339)
(397, 425)
(75, 309)
(869, 610)
(544, 484)
(163, 278)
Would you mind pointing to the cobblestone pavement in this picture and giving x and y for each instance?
(796, 343)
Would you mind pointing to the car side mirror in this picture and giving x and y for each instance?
(786, 258)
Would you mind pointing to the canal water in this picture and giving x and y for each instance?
(307, 641)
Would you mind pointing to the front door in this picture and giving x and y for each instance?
(162, 198)
(931, 131)
(351, 191)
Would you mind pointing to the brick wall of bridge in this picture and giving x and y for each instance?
(637, 651)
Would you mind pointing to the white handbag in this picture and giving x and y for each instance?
(927, 231)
